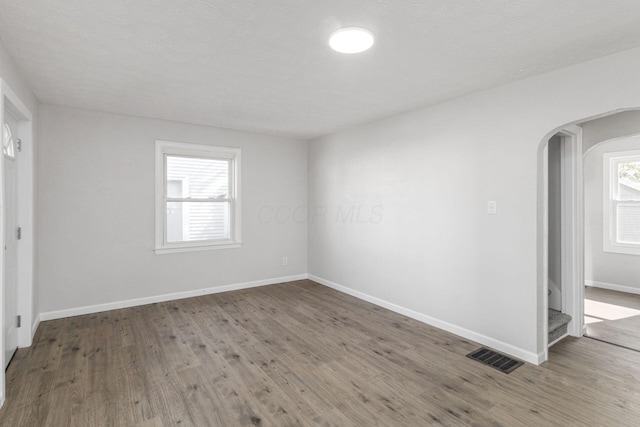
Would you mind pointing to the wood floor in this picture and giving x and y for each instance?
(299, 354)
(616, 317)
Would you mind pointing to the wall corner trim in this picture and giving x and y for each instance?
(34, 328)
(525, 355)
(90, 309)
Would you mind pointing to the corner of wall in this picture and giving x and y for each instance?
(520, 353)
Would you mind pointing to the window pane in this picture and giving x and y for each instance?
(197, 177)
(174, 188)
(193, 221)
(628, 224)
(8, 144)
(629, 180)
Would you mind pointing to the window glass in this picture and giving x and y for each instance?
(201, 178)
(629, 180)
(628, 224)
(8, 144)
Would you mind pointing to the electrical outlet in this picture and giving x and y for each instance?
(492, 207)
(285, 261)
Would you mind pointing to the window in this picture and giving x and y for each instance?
(621, 207)
(8, 143)
(197, 197)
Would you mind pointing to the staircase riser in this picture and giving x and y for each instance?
(554, 335)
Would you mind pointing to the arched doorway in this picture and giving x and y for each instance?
(562, 231)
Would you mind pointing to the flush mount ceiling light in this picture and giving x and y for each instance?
(351, 40)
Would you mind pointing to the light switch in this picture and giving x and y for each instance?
(492, 207)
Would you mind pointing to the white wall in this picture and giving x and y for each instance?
(614, 126)
(436, 251)
(97, 210)
(606, 268)
(10, 74)
(555, 222)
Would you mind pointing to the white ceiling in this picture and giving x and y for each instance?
(265, 66)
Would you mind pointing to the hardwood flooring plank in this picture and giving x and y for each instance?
(613, 316)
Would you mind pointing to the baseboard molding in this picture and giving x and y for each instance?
(449, 327)
(527, 356)
(78, 311)
(612, 287)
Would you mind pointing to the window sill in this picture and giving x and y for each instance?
(196, 248)
(620, 249)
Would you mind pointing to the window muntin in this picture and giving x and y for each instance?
(622, 202)
(197, 203)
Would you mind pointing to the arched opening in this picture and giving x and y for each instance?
(561, 222)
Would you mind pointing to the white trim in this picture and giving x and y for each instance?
(449, 327)
(543, 255)
(26, 202)
(15, 100)
(441, 324)
(235, 174)
(573, 229)
(612, 287)
(78, 311)
(572, 235)
(198, 247)
(457, 330)
(9, 99)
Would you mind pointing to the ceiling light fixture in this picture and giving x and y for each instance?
(351, 40)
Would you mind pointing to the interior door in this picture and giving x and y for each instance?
(9, 137)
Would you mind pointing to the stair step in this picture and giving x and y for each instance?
(557, 324)
(557, 320)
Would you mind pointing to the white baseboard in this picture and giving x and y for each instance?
(527, 356)
(78, 311)
(458, 330)
(612, 287)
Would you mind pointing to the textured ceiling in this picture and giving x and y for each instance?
(265, 66)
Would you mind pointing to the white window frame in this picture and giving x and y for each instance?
(611, 202)
(165, 148)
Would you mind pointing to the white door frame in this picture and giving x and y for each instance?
(572, 196)
(26, 195)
